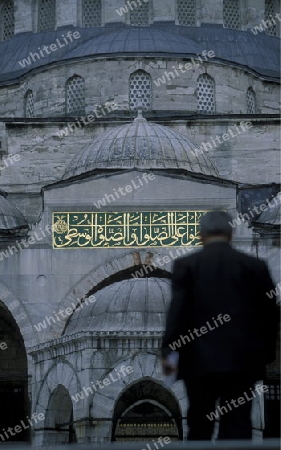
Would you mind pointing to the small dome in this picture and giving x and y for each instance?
(271, 216)
(126, 306)
(11, 219)
(142, 145)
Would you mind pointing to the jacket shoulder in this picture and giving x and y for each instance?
(188, 259)
(249, 259)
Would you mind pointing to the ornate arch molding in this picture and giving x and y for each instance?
(145, 366)
(20, 315)
(104, 271)
(63, 374)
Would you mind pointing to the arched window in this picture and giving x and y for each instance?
(91, 13)
(46, 15)
(269, 16)
(206, 94)
(140, 90)
(75, 95)
(140, 13)
(29, 104)
(231, 14)
(186, 12)
(251, 101)
(7, 20)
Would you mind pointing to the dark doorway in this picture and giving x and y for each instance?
(146, 411)
(59, 426)
(272, 409)
(13, 379)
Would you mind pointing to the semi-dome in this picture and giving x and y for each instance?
(141, 145)
(11, 219)
(271, 216)
(126, 306)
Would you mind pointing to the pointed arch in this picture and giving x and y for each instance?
(91, 13)
(140, 14)
(269, 14)
(29, 104)
(251, 101)
(130, 262)
(14, 376)
(75, 95)
(206, 94)
(46, 15)
(186, 12)
(231, 14)
(140, 86)
(20, 315)
(59, 417)
(52, 397)
(7, 20)
(145, 370)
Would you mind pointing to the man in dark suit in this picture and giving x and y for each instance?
(224, 327)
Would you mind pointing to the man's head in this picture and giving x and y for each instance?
(215, 226)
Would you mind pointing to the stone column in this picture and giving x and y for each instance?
(211, 11)
(110, 14)
(164, 10)
(252, 13)
(23, 16)
(67, 13)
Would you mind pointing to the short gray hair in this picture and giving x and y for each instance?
(215, 223)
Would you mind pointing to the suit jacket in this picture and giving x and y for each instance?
(220, 280)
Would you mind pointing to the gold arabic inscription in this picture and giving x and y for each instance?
(126, 229)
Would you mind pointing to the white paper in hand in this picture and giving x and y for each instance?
(172, 360)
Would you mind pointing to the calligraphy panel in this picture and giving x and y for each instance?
(126, 229)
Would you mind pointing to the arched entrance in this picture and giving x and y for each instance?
(146, 411)
(59, 418)
(13, 379)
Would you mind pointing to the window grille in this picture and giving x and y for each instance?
(231, 14)
(186, 12)
(268, 16)
(47, 15)
(92, 13)
(251, 101)
(75, 96)
(140, 14)
(29, 104)
(140, 88)
(206, 94)
(273, 392)
(8, 20)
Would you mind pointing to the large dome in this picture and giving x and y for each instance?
(242, 48)
(141, 145)
(126, 306)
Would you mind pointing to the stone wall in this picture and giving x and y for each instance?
(208, 11)
(249, 157)
(108, 80)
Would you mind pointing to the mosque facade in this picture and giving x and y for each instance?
(121, 124)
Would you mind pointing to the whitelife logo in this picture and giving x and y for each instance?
(265, 24)
(133, 4)
(100, 384)
(134, 185)
(197, 62)
(23, 426)
(48, 49)
(221, 319)
(221, 410)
